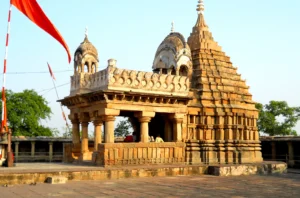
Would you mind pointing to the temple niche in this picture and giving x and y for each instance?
(194, 99)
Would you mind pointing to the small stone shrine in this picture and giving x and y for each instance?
(194, 99)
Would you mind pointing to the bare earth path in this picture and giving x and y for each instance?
(286, 185)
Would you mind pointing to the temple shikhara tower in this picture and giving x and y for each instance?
(194, 99)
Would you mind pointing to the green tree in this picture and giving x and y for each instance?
(277, 118)
(123, 128)
(25, 111)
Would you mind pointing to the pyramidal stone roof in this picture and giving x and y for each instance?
(215, 81)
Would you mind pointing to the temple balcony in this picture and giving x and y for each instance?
(115, 79)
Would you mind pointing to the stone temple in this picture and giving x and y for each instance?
(194, 99)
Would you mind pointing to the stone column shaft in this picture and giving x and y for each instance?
(109, 129)
(168, 131)
(32, 149)
(98, 134)
(273, 144)
(75, 136)
(85, 138)
(144, 128)
(16, 151)
(178, 129)
(291, 161)
(50, 151)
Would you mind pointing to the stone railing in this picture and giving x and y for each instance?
(117, 79)
(110, 154)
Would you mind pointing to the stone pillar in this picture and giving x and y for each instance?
(75, 136)
(144, 118)
(177, 129)
(273, 144)
(64, 152)
(109, 128)
(291, 161)
(16, 151)
(144, 128)
(89, 65)
(85, 138)
(50, 151)
(97, 133)
(168, 130)
(32, 149)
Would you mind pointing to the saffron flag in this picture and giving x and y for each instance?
(50, 71)
(34, 12)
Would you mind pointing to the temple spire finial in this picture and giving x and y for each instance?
(200, 7)
(172, 28)
(86, 32)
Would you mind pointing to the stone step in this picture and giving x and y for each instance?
(9, 176)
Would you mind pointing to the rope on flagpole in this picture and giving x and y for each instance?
(4, 113)
(62, 110)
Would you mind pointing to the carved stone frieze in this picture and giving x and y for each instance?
(129, 80)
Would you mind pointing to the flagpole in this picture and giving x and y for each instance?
(4, 128)
(62, 110)
(4, 113)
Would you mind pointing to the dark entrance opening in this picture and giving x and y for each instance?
(157, 126)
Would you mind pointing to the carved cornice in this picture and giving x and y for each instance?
(116, 96)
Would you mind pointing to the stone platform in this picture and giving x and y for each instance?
(27, 173)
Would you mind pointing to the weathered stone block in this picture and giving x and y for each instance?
(56, 180)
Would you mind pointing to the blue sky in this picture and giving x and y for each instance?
(261, 37)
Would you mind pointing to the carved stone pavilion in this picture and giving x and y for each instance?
(194, 99)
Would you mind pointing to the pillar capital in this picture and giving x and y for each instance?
(84, 123)
(73, 116)
(144, 119)
(84, 117)
(178, 118)
(108, 118)
(17, 143)
(75, 121)
(98, 120)
(50, 143)
(108, 112)
(144, 114)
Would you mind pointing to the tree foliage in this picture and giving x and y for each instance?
(123, 128)
(277, 118)
(25, 111)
